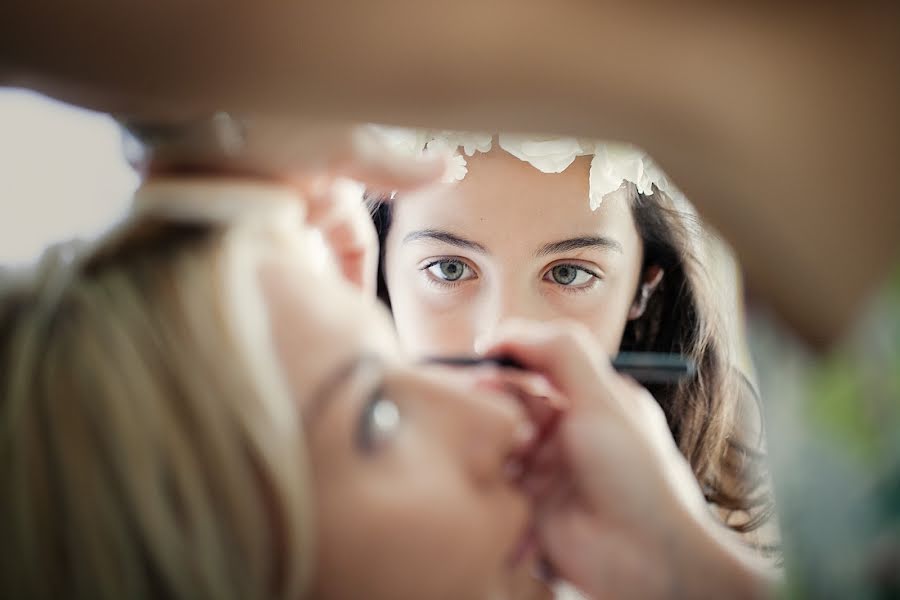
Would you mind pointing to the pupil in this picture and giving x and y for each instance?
(564, 274)
(452, 270)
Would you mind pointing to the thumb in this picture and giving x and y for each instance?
(373, 161)
(585, 448)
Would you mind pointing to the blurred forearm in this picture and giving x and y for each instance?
(772, 118)
(466, 63)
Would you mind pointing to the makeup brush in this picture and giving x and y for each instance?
(643, 367)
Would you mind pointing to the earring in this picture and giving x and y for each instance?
(647, 290)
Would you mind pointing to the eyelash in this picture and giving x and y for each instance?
(568, 289)
(443, 283)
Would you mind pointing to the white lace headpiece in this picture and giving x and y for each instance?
(611, 165)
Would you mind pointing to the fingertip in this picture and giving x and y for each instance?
(507, 333)
(407, 173)
(381, 166)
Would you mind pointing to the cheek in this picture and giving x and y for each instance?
(416, 529)
(604, 311)
(433, 321)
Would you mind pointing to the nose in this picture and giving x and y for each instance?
(509, 301)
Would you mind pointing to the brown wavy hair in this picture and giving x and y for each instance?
(705, 412)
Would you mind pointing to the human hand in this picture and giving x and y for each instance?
(619, 513)
(318, 159)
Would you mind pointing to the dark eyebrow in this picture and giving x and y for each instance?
(445, 237)
(341, 376)
(577, 243)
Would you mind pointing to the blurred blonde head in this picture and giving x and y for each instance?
(148, 445)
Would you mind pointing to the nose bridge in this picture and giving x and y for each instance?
(511, 297)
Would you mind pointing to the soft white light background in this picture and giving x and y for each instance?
(62, 174)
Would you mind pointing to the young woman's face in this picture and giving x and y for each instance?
(509, 241)
(412, 493)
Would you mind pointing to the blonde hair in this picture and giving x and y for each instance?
(144, 453)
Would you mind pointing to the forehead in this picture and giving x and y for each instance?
(502, 197)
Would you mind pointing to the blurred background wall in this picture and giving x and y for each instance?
(62, 174)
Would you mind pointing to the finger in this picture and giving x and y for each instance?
(571, 542)
(330, 200)
(532, 386)
(373, 161)
(650, 421)
(319, 194)
(542, 402)
(545, 472)
(564, 352)
(539, 486)
(644, 407)
(547, 458)
(543, 414)
(337, 210)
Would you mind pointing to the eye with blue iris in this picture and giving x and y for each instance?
(449, 270)
(571, 275)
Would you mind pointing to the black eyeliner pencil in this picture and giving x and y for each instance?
(644, 367)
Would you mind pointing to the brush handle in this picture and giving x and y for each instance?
(644, 367)
(654, 367)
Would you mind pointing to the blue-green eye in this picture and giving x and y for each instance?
(450, 269)
(570, 275)
(378, 422)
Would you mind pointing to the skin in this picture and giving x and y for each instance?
(778, 122)
(627, 519)
(503, 218)
(427, 508)
(423, 509)
(813, 171)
